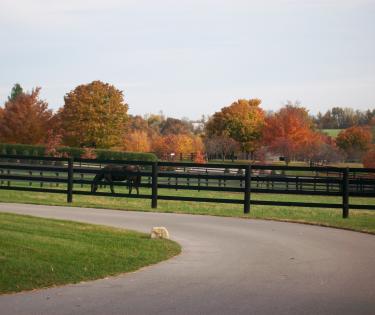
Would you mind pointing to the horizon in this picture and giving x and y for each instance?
(195, 57)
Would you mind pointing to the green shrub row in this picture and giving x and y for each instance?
(126, 156)
(39, 150)
(21, 149)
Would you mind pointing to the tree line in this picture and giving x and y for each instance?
(95, 115)
(342, 118)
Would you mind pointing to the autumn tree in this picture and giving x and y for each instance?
(94, 115)
(137, 141)
(155, 122)
(286, 131)
(223, 146)
(180, 143)
(320, 149)
(369, 158)
(242, 121)
(174, 126)
(137, 123)
(25, 119)
(355, 141)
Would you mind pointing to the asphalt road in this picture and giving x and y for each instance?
(228, 266)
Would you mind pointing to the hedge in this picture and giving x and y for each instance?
(39, 150)
(125, 156)
(22, 149)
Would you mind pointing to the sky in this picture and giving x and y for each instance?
(191, 58)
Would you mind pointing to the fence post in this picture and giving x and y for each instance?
(345, 193)
(154, 196)
(246, 208)
(70, 181)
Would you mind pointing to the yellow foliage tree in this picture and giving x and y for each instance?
(242, 121)
(94, 115)
(137, 141)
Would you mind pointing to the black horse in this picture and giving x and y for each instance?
(111, 173)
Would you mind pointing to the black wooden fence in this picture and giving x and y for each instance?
(67, 176)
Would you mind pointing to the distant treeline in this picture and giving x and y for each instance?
(341, 118)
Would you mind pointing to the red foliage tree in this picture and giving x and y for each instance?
(287, 131)
(25, 119)
(53, 141)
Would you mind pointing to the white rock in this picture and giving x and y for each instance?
(159, 232)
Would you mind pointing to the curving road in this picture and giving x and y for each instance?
(228, 266)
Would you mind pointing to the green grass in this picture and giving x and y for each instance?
(36, 252)
(359, 220)
(332, 132)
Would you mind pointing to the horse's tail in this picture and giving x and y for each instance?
(94, 185)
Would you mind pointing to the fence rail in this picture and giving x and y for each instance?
(244, 179)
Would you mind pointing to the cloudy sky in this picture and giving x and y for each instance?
(189, 58)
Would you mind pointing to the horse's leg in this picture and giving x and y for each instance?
(130, 183)
(96, 180)
(108, 178)
(138, 180)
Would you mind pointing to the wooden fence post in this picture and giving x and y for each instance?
(246, 207)
(345, 193)
(154, 196)
(70, 181)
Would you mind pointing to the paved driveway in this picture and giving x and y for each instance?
(228, 266)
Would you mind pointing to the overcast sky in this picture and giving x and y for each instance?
(189, 58)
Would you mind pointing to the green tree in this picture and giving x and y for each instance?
(94, 115)
(16, 90)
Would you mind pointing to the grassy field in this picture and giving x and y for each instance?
(332, 132)
(36, 253)
(359, 220)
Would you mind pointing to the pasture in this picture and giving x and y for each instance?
(359, 220)
(332, 132)
(309, 195)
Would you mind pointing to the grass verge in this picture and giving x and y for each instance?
(37, 253)
(359, 220)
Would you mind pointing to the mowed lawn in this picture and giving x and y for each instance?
(359, 220)
(36, 252)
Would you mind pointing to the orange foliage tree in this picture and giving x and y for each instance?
(199, 158)
(287, 131)
(94, 115)
(355, 141)
(25, 119)
(180, 143)
(242, 121)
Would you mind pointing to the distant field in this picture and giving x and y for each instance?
(331, 132)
